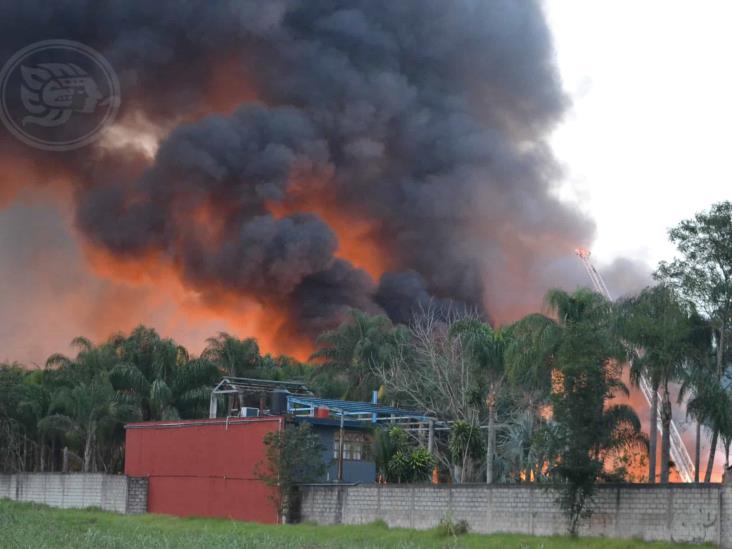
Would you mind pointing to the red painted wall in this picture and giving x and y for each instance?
(203, 467)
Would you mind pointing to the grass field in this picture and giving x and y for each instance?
(25, 525)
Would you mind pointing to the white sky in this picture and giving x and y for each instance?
(646, 141)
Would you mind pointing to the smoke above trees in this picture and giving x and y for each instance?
(319, 156)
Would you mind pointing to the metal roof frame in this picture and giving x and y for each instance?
(236, 385)
(299, 405)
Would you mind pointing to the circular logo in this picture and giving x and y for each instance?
(58, 95)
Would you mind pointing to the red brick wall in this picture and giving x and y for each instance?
(203, 467)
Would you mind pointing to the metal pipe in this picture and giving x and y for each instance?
(431, 437)
(340, 452)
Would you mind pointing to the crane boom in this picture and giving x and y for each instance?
(679, 453)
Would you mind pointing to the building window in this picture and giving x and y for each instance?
(355, 446)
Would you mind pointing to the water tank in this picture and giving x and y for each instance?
(278, 406)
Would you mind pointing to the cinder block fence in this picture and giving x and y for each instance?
(676, 512)
(116, 493)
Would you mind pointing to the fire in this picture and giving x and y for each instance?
(238, 315)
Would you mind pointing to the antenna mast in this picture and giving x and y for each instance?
(679, 454)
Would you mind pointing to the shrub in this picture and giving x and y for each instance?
(398, 460)
(449, 528)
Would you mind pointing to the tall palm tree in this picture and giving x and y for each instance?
(698, 381)
(656, 323)
(543, 348)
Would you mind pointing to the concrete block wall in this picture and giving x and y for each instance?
(116, 493)
(676, 512)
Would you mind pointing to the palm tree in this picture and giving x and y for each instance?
(349, 353)
(88, 409)
(234, 357)
(23, 402)
(488, 349)
(160, 376)
(658, 325)
(698, 381)
(84, 404)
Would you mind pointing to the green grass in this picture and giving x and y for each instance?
(26, 525)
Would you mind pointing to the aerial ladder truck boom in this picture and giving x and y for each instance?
(684, 464)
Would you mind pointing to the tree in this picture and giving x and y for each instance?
(85, 405)
(658, 325)
(703, 276)
(92, 410)
(530, 360)
(466, 449)
(435, 369)
(234, 357)
(698, 377)
(23, 402)
(294, 456)
(349, 353)
(524, 446)
(488, 347)
(586, 354)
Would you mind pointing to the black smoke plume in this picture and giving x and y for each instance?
(426, 119)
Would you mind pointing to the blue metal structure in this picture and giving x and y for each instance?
(303, 408)
(361, 469)
(301, 405)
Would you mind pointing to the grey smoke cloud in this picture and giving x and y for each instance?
(425, 118)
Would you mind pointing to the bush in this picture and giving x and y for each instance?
(449, 528)
(397, 460)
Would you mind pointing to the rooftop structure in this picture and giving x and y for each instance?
(240, 387)
(298, 405)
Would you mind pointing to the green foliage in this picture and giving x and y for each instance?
(702, 275)
(235, 357)
(586, 356)
(448, 528)
(465, 441)
(658, 323)
(293, 456)
(661, 330)
(530, 352)
(398, 460)
(82, 402)
(349, 353)
(703, 272)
